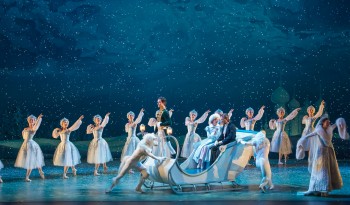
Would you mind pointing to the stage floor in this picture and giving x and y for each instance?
(289, 181)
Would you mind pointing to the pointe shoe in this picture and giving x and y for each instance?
(272, 187)
(74, 172)
(262, 188)
(105, 169)
(280, 163)
(1, 180)
(96, 173)
(65, 177)
(114, 182)
(139, 190)
(42, 175)
(28, 180)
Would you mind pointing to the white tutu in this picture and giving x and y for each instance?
(30, 156)
(99, 152)
(281, 143)
(188, 146)
(130, 146)
(66, 154)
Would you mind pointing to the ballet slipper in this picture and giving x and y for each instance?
(65, 176)
(28, 180)
(1, 180)
(138, 189)
(262, 188)
(105, 169)
(42, 175)
(272, 187)
(280, 163)
(114, 182)
(74, 172)
(96, 173)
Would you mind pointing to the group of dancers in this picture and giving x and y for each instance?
(66, 155)
(325, 175)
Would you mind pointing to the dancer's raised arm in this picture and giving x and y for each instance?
(260, 113)
(293, 114)
(105, 120)
(139, 117)
(37, 123)
(77, 124)
(203, 117)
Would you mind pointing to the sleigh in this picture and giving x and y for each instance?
(184, 178)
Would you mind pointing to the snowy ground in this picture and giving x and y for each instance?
(288, 180)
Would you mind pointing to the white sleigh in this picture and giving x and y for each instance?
(220, 176)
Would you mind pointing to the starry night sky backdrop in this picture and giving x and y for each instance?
(70, 57)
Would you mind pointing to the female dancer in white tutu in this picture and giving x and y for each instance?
(131, 141)
(30, 155)
(249, 122)
(66, 154)
(202, 152)
(262, 148)
(1, 166)
(98, 152)
(280, 140)
(324, 169)
(192, 137)
(309, 121)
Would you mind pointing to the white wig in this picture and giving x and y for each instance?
(281, 109)
(312, 108)
(31, 117)
(193, 112)
(249, 109)
(96, 116)
(130, 113)
(213, 117)
(64, 120)
(220, 112)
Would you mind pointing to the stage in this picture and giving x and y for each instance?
(289, 181)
